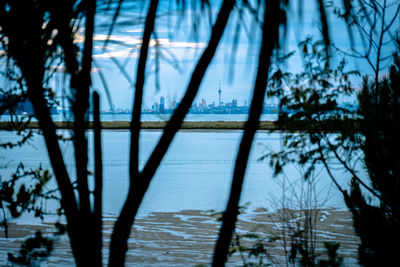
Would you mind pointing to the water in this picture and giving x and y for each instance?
(195, 174)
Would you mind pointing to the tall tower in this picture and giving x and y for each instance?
(219, 94)
(162, 105)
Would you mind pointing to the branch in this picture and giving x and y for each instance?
(81, 84)
(141, 182)
(124, 223)
(176, 120)
(328, 169)
(98, 185)
(140, 80)
(270, 38)
(350, 170)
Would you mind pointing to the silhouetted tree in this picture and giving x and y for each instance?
(377, 221)
(274, 16)
(36, 32)
(31, 48)
(339, 136)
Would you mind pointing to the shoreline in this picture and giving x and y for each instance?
(154, 125)
(330, 126)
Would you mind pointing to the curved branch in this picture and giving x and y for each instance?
(350, 170)
(141, 181)
(270, 38)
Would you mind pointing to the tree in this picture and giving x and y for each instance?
(355, 139)
(31, 49)
(270, 39)
(373, 22)
(377, 221)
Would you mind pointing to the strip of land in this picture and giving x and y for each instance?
(196, 125)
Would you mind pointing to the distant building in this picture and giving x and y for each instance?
(173, 104)
(155, 108)
(162, 104)
(213, 108)
(219, 95)
(234, 103)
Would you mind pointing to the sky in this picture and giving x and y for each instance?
(180, 49)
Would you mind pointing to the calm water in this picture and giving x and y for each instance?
(195, 174)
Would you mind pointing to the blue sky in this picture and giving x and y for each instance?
(180, 46)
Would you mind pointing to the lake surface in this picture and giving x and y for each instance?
(195, 174)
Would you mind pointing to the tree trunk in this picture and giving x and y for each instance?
(141, 181)
(269, 41)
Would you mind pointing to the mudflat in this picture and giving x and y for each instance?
(187, 238)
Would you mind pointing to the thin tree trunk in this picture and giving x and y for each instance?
(174, 124)
(124, 222)
(98, 185)
(141, 181)
(68, 200)
(90, 254)
(269, 41)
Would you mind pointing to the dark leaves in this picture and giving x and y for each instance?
(33, 250)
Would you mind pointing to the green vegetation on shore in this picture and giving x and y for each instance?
(192, 125)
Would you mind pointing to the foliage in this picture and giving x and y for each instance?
(39, 35)
(25, 191)
(333, 259)
(33, 251)
(364, 137)
(374, 24)
(292, 240)
(255, 248)
(311, 100)
(377, 220)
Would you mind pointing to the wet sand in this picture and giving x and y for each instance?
(187, 238)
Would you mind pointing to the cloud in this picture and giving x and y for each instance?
(124, 46)
(122, 53)
(63, 69)
(141, 31)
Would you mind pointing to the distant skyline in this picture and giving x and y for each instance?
(180, 51)
(169, 102)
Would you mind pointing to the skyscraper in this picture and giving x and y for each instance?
(219, 94)
(234, 103)
(162, 105)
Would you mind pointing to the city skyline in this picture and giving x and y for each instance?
(180, 51)
(201, 107)
(165, 106)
